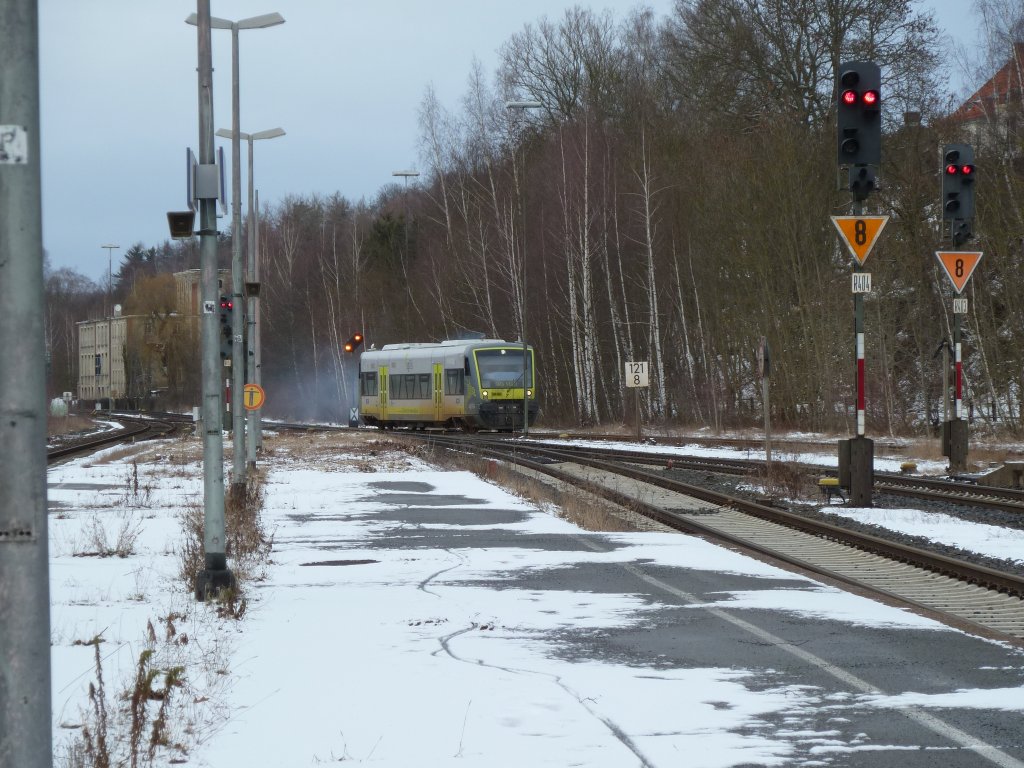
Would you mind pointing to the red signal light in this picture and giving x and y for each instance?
(870, 98)
(849, 97)
(353, 343)
(967, 170)
(952, 169)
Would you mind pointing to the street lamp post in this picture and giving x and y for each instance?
(252, 298)
(215, 576)
(522, 106)
(108, 311)
(405, 202)
(237, 320)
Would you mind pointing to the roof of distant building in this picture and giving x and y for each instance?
(1004, 86)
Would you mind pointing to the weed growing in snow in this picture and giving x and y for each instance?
(110, 536)
(141, 711)
(136, 494)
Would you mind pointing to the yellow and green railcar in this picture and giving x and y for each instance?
(472, 384)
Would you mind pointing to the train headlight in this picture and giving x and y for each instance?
(485, 393)
(529, 393)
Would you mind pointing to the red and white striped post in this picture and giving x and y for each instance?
(860, 382)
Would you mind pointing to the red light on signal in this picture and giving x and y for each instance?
(870, 98)
(952, 169)
(353, 343)
(967, 170)
(849, 97)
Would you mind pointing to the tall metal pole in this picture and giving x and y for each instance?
(110, 280)
(958, 401)
(237, 285)
(861, 448)
(109, 312)
(522, 106)
(522, 312)
(25, 719)
(251, 309)
(215, 575)
(237, 378)
(258, 357)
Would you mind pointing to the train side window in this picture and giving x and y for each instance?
(423, 388)
(403, 386)
(467, 365)
(368, 384)
(454, 381)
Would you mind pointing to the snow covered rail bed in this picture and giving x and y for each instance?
(973, 597)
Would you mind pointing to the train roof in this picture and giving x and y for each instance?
(445, 343)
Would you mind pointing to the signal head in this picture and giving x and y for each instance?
(858, 126)
(958, 176)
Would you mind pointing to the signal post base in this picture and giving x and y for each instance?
(215, 578)
(857, 469)
(954, 443)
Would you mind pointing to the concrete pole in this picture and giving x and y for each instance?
(215, 575)
(25, 720)
(237, 286)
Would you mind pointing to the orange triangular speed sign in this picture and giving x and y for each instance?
(959, 266)
(860, 233)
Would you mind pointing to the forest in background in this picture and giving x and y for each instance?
(669, 202)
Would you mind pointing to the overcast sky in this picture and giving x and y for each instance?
(344, 79)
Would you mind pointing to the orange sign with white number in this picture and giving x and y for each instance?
(253, 396)
(860, 233)
(959, 266)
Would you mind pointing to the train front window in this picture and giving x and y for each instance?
(503, 368)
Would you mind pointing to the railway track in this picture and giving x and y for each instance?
(975, 598)
(911, 486)
(750, 443)
(135, 428)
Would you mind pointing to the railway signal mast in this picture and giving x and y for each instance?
(355, 341)
(958, 175)
(859, 149)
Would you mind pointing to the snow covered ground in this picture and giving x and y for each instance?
(351, 650)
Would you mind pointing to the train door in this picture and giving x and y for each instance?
(438, 392)
(382, 392)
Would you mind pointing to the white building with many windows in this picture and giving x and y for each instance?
(100, 357)
(103, 343)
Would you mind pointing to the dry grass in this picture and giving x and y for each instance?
(786, 481)
(125, 730)
(585, 510)
(117, 455)
(68, 425)
(247, 543)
